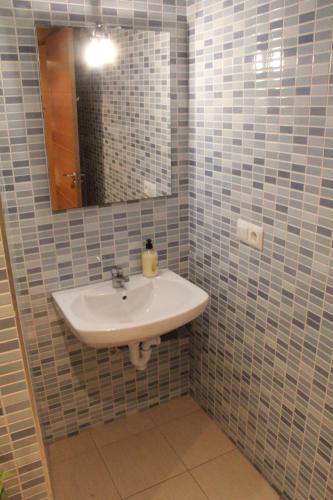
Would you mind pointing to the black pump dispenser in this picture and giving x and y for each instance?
(149, 244)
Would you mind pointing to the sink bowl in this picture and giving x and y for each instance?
(102, 316)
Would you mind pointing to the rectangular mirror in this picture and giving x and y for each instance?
(106, 103)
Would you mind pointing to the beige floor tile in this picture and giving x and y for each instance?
(141, 461)
(68, 448)
(232, 477)
(83, 477)
(196, 438)
(173, 409)
(122, 428)
(182, 487)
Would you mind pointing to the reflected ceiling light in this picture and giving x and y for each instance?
(100, 49)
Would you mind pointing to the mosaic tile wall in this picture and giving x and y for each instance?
(51, 251)
(124, 119)
(261, 148)
(20, 449)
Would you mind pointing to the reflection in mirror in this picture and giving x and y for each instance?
(106, 104)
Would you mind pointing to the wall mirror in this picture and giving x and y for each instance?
(106, 104)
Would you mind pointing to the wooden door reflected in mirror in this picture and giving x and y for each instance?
(57, 70)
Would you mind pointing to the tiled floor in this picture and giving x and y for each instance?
(171, 452)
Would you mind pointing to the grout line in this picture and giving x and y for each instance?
(85, 452)
(157, 428)
(212, 459)
(125, 417)
(246, 458)
(199, 485)
(104, 462)
(206, 461)
(171, 419)
(186, 471)
(156, 484)
(153, 485)
(202, 463)
(197, 467)
(172, 447)
(131, 434)
(108, 471)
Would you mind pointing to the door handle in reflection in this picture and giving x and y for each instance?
(76, 178)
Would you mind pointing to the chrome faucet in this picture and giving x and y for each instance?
(118, 277)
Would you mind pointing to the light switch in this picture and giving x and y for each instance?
(251, 234)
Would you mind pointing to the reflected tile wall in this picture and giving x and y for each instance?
(124, 119)
(76, 387)
(261, 148)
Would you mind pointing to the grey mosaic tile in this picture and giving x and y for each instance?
(260, 98)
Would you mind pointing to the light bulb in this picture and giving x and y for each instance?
(99, 51)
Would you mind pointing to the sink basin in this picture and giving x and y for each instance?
(102, 316)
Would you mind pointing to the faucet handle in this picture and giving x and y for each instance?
(117, 272)
(118, 277)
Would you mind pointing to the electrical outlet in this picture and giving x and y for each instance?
(251, 234)
(255, 236)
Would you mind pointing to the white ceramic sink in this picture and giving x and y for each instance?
(102, 316)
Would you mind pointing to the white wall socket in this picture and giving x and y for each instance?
(250, 234)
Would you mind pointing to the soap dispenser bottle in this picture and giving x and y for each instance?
(149, 260)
